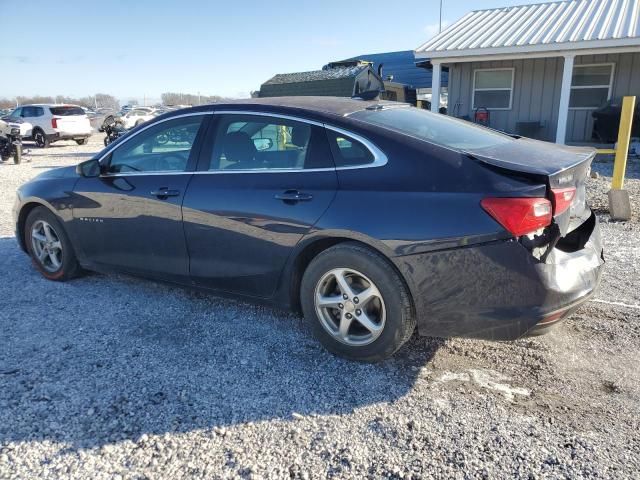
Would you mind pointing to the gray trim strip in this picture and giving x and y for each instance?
(380, 159)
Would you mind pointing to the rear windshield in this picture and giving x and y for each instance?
(435, 128)
(66, 111)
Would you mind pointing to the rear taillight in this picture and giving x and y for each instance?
(562, 198)
(519, 215)
(54, 123)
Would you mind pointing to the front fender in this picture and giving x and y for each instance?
(56, 194)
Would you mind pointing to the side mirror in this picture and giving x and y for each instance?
(89, 168)
(262, 143)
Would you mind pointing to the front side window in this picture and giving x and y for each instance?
(255, 142)
(591, 85)
(493, 88)
(164, 147)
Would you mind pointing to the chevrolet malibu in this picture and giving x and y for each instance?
(368, 217)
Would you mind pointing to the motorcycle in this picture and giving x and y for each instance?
(11, 132)
(113, 129)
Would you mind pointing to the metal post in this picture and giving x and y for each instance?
(565, 94)
(619, 204)
(435, 87)
(624, 136)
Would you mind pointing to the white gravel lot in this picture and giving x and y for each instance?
(113, 377)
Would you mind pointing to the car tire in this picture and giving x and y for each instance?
(39, 221)
(390, 312)
(40, 139)
(81, 141)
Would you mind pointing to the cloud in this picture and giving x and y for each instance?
(432, 29)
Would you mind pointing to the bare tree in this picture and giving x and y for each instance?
(172, 98)
(7, 103)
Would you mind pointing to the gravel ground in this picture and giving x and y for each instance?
(113, 377)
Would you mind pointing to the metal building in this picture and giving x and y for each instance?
(540, 69)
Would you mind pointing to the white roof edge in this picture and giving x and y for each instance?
(548, 50)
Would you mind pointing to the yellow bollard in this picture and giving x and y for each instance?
(619, 203)
(624, 136)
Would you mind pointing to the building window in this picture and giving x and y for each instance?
(493, 88)
(591, 85)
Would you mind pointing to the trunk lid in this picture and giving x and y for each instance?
(71, 119)
(558, 166)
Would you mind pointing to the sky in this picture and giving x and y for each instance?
(140, 48)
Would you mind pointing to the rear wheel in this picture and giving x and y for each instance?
(49, 246)
(356, 304)
(41, 139)
(81, 141)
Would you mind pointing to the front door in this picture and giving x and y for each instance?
(263, 182)
(130, 216)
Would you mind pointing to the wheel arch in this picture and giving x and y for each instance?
(23, 213)
(313, 246)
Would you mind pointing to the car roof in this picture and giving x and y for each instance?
(49, 105)
(323, 106)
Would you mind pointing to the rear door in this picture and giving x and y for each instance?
(263, 182)
(130, 217)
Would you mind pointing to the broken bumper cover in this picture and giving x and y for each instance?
(500, 291)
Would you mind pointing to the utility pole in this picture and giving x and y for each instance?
(440, 27)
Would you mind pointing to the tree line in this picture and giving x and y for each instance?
(99, 100)
(103, 100)
(172, 98)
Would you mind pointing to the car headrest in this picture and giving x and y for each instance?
(300, 136)
(238, 147)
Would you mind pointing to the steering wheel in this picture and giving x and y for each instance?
(171, 161)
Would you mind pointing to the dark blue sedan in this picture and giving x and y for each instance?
(369, 217)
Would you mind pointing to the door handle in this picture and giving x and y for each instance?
(165, 192)
(293, 196)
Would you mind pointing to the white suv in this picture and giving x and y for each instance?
(54, 122)
(137, 116)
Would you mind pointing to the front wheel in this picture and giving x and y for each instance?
(356, 304)
(49, 246)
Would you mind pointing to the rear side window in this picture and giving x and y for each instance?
(348, 152)
(435, 128)
(66, 111)
(32, 111)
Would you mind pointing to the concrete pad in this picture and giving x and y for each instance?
(619, 205)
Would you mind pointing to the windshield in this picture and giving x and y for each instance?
(66, 111)
(435, 128)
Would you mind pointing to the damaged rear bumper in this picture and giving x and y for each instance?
(500, 291)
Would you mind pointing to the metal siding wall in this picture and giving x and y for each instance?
(626, 81)
(536, 93)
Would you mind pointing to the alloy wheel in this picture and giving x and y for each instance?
(350, 307)
(47, 247)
